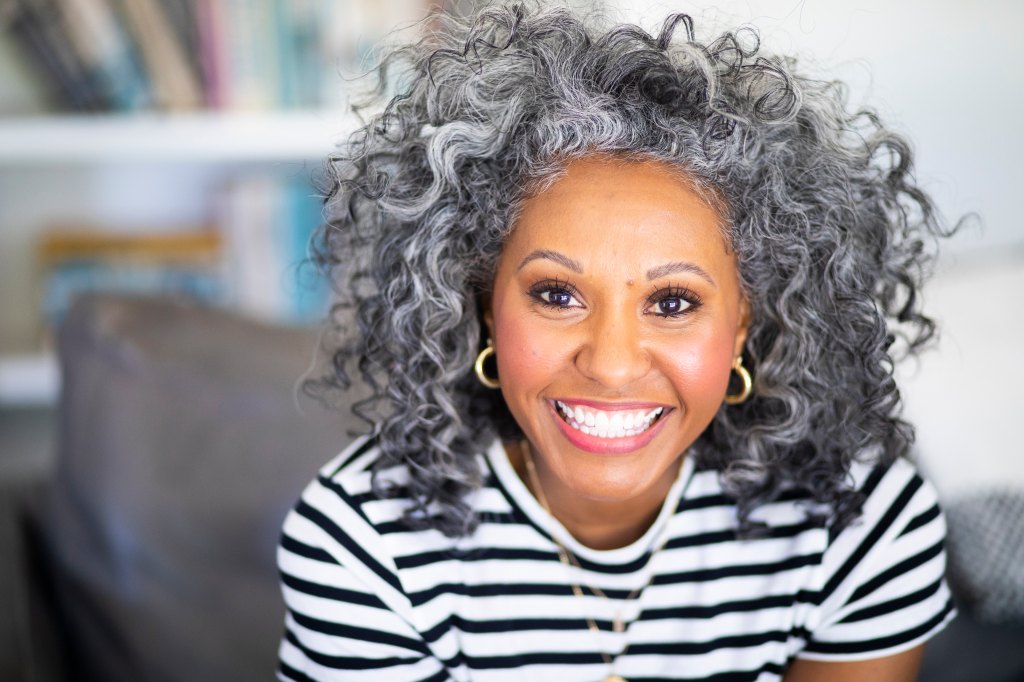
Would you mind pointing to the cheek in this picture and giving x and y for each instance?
(527, 356)
(700, 370)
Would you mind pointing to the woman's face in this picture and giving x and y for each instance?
(616, 314)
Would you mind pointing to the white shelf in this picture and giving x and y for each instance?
(30, 380)
(205, 137)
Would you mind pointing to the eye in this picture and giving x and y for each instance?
(556, 294)
(672, 302)
(671, 306)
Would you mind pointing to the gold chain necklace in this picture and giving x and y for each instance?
(567, 559)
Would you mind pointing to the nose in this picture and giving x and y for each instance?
(612, 352)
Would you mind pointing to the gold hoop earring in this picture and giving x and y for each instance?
(478, 367)
(748, 383)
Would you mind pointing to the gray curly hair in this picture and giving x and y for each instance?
(832, 235)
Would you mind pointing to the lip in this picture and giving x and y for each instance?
(609, 446)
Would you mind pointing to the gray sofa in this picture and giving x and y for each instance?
(148, 552)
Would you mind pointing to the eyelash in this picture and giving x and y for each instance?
(670, 292)
(538, 290)
(654, 298)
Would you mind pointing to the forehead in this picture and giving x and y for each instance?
(625, 212)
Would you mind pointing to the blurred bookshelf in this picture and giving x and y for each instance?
(29, 380)
(202, 136)
(170, 149)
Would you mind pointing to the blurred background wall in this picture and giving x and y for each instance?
(170, 144)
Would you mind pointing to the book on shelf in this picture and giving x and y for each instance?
(267, 226)
(251, 76)
(80, 259)
(183, 20)
(35, 28)
(175, 83)
(123, 55)
(105, 52)
(253, 258)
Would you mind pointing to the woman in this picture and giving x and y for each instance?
(628, 307)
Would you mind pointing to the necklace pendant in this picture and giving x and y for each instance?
(612, 677)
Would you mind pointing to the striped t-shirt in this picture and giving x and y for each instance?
(368, 599)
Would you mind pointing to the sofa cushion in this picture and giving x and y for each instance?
(986, 554)
(182, 445)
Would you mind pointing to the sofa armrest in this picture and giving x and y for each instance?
(30, 644)
(182, 445)
(969, 650)
(14, 636)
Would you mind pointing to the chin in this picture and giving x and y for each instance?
(599, 486)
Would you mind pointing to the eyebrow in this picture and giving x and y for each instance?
(654, 273)
(559, 258)
(679, 266)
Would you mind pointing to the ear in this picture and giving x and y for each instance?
(742, 326)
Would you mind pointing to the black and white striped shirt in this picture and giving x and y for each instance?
(368, 599)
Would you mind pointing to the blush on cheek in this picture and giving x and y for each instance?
(525, 355)
(703, 371)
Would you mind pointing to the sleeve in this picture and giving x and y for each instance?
(883, 588)
(347, 616)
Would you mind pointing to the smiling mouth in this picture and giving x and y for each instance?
(608, 423)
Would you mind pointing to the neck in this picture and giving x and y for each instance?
(609, 528)
(598, 524)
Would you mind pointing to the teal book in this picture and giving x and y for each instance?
(67, 281)
(107, 53)
(307, 289)
(301, 64)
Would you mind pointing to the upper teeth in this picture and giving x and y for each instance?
(608, 424)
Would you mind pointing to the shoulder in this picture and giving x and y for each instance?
(340, 526)
(341, 500)
(330, 537)
(897, 501)
(346, 605)
(340, 511)
(901, 523)
(353, 463)
(882, 586)
(330, 517)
